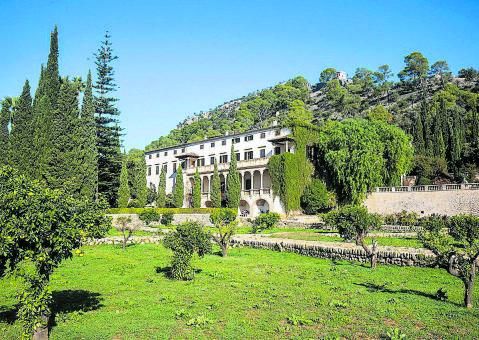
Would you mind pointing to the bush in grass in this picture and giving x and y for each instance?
(149, 215)
(456, 247)
(224, 220)
(316, 198)
(403, 218)
(188, 239)
(354, 223)
(167, 218)
(265, 221)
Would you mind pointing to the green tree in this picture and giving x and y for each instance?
(41, 228)
(216, 188)
(380, 113)
(355, 223)
(136, 176)
(418, 135)
(5, 113)
(44, 107)
(416, 68)
(224, 221)
(456, 244)
(298, 114)
(327, 75)
(87, 140)
(441, 70)
(161, 198)
(188, 239)
(316, 198)
(107, 123)
(233, 184)
(197, 190)
(178, 191)
(382, 80)
(22, 134)
(124, 189)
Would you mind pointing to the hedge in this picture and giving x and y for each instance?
(162, 210)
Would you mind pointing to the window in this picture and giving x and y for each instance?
(277, 132)
(183, 150)
(248, 138)
(202, 146)
(262, 153)
(248, 155)
(165, 167)
(277, 150)
(235, 140)
(149, 171)
(157, 170)
(223, 142)
(238, 156)
(212, 160)
(263, 135)
(157, 154)
(166, 153)
(174, 167)
(200, 162)
(212, 144)
(175, 152)
(223, 158)
(149, 156)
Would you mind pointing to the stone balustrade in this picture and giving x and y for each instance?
(427, 188)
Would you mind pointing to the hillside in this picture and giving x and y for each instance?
(327, 100)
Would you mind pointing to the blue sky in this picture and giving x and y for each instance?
(181, 57)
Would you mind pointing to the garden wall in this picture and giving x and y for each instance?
(411, 257)
(203, 219)
(450, 202)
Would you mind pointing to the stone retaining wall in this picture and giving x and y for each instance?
(411, 257)
(119, 240)
(203, 219)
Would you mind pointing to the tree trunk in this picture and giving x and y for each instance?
(41, 332)
(469, 286)
(224, 250)
(374, 260)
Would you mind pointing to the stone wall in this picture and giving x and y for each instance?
(203, 219)
(411, 257)
(450, 202)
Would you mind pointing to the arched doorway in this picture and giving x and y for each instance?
(205, 188)
(262, 205)
(266, 182)
(247, 181)
(256, 181)
(244, 208)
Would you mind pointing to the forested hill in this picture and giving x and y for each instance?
(422, 94)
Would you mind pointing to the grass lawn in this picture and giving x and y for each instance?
(252, 294)
(318, 236)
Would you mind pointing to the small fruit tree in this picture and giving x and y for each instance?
(127, 227)
(188, 239)
(224, 220)
(455, 241)
(355, 223)
(39, 229)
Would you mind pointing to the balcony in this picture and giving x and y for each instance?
(245, 164)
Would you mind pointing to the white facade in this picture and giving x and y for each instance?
(252, 150)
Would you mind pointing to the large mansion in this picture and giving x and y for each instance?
(252, 150)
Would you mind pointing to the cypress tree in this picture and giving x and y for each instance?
(233, 185)
(216, 188)
(419, 135)
(123, 189)
(64, 167)
(4, 133)
(197, 190)
(44, 110)
(22, 153)
(136, 174)
(178, 193)
(88, 149)
(108, 131)
(161, 198)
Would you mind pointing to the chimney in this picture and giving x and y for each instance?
(275, 123)
(227, 133)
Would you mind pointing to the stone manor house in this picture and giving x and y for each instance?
(252, 150)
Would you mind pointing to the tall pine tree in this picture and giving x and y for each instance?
(233, 185)
(178, 192)
(161, 198)
(22, 152)
(88, 150)
(107, 124)
(216, 188)
(4, 133)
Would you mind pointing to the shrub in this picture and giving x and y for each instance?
(403, 218)
(188, 239)
(316, 198)
(265, 221)
(134, 203)
(354, 223)
(225, 223)
(149, 215)
(167, 218)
